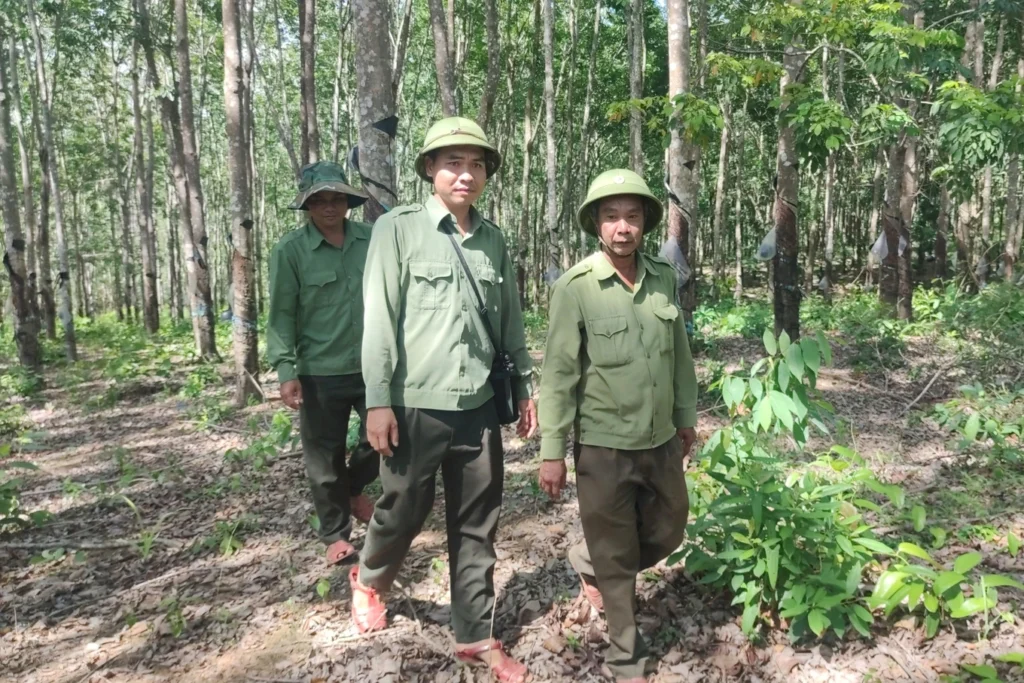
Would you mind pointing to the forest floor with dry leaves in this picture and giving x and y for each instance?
(166, 561)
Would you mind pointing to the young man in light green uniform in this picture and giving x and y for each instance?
(427, 357)
(314, 342)
(618, 373)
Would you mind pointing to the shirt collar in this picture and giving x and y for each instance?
(603, 268)
(437, 212)
(354, 229)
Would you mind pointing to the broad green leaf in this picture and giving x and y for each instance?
(966, 562)
(918, 515)
(946, 581)
(764, 413)
(864, 614)
(972, 606)
(818, 621)
(938, 536)
(845, 544)
(915, 551)
(873, 545)
(983, 671)
(914, 596)
(750, 616)
(859, 625)
(931, 624)
(784, 374)
(756, 388)
(999, 581)
(844, 452)
(823, 346)
(795, 360)
(972, 426)
(784, 341)
(770, 344)
(888, 582)
(1012, 544)
(772, 556)
(853, 578)
(1011, 658)
(812, 359)
(931, 603)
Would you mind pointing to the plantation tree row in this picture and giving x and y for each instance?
(149, 148)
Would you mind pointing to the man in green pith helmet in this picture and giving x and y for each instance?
(314, 342)
(618, 373)
(441, 304)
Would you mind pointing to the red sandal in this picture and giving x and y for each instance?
(374, 617)
(592, 594)
(507, 670)
(339, 551)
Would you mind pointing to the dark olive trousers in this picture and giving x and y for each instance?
(327, 403)
(633, 506)
(466, 447)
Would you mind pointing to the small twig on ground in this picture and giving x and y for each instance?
(80, 545)
(391, 631)
(256, 385)
(942, 369)
(220, 427)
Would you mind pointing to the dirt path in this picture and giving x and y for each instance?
(129, 581)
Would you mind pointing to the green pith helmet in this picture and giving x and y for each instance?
(452, 132)
(619, 181)
(325, 176)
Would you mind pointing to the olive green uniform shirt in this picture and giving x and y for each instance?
(424, 344)
(316, 302)
(617, 367)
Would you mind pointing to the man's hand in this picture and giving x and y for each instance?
(291, 394)
(527, 426)
(551, 477)
(688, 435)
(382, 430)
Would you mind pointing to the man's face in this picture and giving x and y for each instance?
(620, 223)
(327, 209)
(459, 173)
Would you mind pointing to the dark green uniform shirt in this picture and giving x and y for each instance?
(424, 344)
(617, 366)
(316, 302)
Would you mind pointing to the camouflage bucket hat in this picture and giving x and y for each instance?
(325, 176)
(619, 181)
(452, 132)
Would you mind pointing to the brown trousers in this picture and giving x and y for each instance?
(633, 505)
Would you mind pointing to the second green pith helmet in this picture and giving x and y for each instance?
(325, 176)
(619, 181)
(453, 132)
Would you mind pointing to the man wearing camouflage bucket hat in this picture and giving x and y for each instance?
(314, 341)
(619, 374)
(427, 358)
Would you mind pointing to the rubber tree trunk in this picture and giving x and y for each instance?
(443, 59)
(635, 46)
(310, 143)
(26, 323)
(376, 104)
(786, 270)
(142, 149)
(888, 290)
(682, 158)
(718, 227)
(493, 63)
(53, 178)
(529, 138)
(551, 166)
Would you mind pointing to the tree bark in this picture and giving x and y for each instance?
(53, 178)
(123, 195)
(493, 63)
(565, 218)
(635, 45)
(942, 235)
(398, 65)
(529, 136)
(718, 227)
(1013, 220)
(738, 216)
(28, 202)
(589, 97)
(443, 59)
(196, 262)
(376, 103)
(26, 323)
(786, 271)
(143, 144)
(284, 130)
(340, 75)
(888, 290)
(682, 158)
(554, 247)
(310, 142)
(243, 305)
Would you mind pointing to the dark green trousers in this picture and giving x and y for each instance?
(633, 506)
(466, 447)
(327, 404)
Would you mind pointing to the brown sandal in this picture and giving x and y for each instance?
(339, 551)
(507, 670)
(375, 616)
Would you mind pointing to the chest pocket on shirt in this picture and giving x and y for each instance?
(321, 289)
(487, 280)
(606, 343)
(667, 316)
(430, 285)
